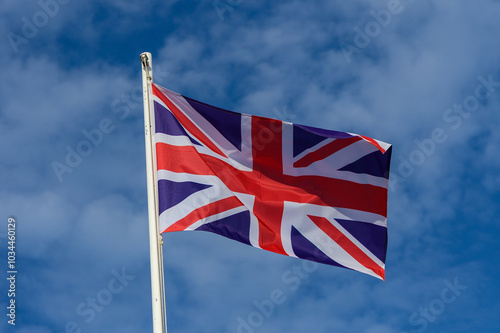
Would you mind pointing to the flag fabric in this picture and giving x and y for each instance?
(296, 190)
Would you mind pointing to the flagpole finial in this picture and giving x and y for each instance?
(144, 59)
(147, 65)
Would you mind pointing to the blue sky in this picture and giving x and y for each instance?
(422, 75)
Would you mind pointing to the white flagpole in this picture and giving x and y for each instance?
(155, 239)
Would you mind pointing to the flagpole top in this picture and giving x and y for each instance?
(147, 65)
(145, 56)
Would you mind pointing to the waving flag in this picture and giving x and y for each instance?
(296, 190)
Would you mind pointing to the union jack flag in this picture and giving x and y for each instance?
(296, 190)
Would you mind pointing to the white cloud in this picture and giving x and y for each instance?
(263, 56)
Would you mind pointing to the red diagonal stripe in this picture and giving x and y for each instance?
(343, 241)
(185, 122)
(373, 142)
(325, 151)
(204, 212)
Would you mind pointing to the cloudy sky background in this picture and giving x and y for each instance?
(302, 61)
